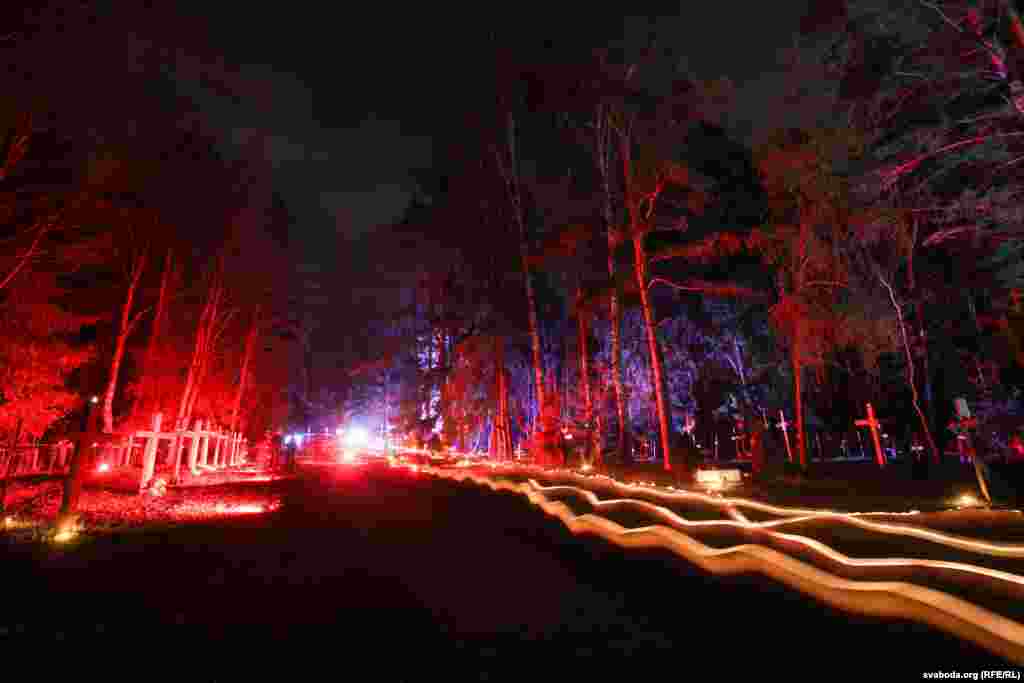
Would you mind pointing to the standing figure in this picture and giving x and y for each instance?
(275, 450)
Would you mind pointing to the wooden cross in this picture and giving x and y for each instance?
(960, 426)
(689, 424)
(783, 425)
(872, 423)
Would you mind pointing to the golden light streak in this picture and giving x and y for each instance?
(892, 599)
(794, 515)
(967, 500)
(12, 523)
(66, 531)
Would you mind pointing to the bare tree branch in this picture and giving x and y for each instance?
(41, 230)
(726, 290)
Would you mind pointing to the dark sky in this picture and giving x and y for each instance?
(344, 106)
(334, 108)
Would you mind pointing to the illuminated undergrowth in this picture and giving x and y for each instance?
(32, 509)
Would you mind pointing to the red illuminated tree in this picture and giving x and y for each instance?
(136, 262)
(508, 165)
(149, 398)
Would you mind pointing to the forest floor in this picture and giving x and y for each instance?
(110, 501)
(392, 573)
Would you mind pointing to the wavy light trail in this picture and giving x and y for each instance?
(893, 599)
(795, 515)
(810, 543)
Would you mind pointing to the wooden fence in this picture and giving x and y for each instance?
(209, 448)
(37, 458)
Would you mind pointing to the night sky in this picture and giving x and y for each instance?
(332, 111)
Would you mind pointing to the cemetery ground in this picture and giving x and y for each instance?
(849, 486)
(397, 575)
(110, 502)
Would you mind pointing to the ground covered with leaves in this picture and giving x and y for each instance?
(110, 502)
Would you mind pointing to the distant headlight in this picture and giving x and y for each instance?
(356, 437)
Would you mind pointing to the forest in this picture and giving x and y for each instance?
(127, 286)
(608, 267)
(603, 261)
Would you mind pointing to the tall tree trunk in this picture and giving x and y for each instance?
(623, 452)
(201, 372)
(915, 399)
(250, 342)
(208, 341)
(496, 421)
(148, 398)
(192, 379)
(125, 328)
(583, 336)
(441, 381)
(309, 388)
(796, 348)
(511, 174)
(198, 349)
(502, 439)
(929, 393)
(798, 402)
(927, 422)
(654, 351)
(603, 144)
(72, 490)
(653, 347)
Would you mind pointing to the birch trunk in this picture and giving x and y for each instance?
(149, 397)
(603, 149)
(929, 420)
(250, 341)
(653, 347)
(193, 378)
(511, 175)
(125, 328)
(798, 404)
(583, 335)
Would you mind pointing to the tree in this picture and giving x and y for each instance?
(212, 322)
(243, 373)
(38, 355)
(149, 398)
(803, 240)
(637, 193)
(136, 267)
(508, 167)
(603, 151)
(936, 90)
